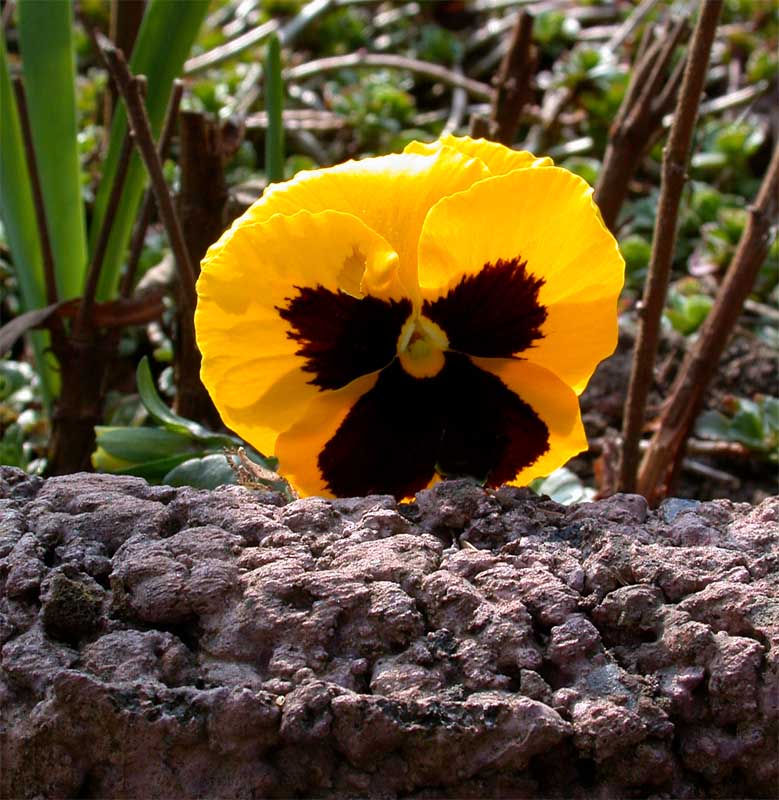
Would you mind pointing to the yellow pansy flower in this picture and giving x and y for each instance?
(382, 323)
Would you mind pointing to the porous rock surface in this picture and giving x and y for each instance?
(174, 643)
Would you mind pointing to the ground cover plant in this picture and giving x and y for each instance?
(668, 109)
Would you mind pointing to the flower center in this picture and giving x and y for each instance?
(421, 347)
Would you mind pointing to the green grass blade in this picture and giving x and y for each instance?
(274, 104)
(48, 61)
(18, 215)
(164, 41)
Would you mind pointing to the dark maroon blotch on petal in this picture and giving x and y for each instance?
(343, 337)
(463, 421)
(494, 313)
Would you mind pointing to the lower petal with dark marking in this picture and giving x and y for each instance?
(463, 421)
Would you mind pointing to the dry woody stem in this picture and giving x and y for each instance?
(512, 83)
(675, 159)
(201, 207)
(139, 121)
(432, 71)
(648, 99)
(700, 364)
(144, 216)
(95, 265)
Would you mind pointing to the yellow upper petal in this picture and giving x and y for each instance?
(546, 217)
(498, 158)
(390, 194)
(250, 364)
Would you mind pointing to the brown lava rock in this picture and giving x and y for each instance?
(174, 643)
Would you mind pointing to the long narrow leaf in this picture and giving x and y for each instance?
(159, 411)
(48, 62)
(274, 104)
(18, 215)
(164, 41)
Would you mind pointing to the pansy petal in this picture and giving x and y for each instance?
(531, 225)
(489, 431)
(386, 443)
(575, 338)
(555, 403)
(498, 158)
(276, 306)
(544, 217)
(390, 194)
(488, 418)
(298, 448)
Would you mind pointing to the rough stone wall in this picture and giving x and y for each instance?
(173, 643)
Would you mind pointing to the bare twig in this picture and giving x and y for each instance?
(709, 448)
(638, 119)
(308, 119)
(232, 48)
(8, 12)
(426, 69)
(201, 204)
(96, 264)
(675, 160)
(479, 127)
(552, 109)
(144, 216)
(719, 475)
(637, 16)
(740, 97)
(458, 108)
(125, 21)
(763, 310)
(47, 254)
(512, 83)
(136, 113)
(252, 37)
(647, 37)
(700, 364)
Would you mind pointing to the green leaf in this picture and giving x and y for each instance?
(164, 41)
(160, 412)
(12, 447)
(274, 105)
(712, 425)
(747, 428)
(755, 424)
(687, 314)
(202, 473)
(13, 375)
(21, 230)
(163, 415)
(46, 44)
(771, 414)
(136, 445)
(151, 471)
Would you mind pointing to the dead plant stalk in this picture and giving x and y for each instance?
(686, 397)
(648, 99)
(512, 82)
(139, 121)
(675, 160)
